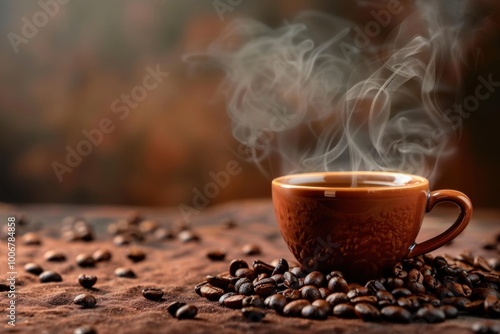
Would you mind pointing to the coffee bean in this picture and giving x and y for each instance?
(344, 311)
(399, 272)
(291, 280)
(337, 298)
(136, 255)
(278, 278)
(334, 273)
(374, 286)
(241, 281)
(251, 249)
(234, 301)
(54, 256)
(216, 255)
(211, 292)
(294, 308)
(393, 283)
(427, 270)
(367, 312)
(338, 284)
(430, 314)
(313, 312)
(314, 278)
(125, 273)
(400, 292)
(396, 314)
(494, 263)
(444, 293)
(449, 271)
(246, 289)
(450, 311)
(357, 292)
(152, 293)
(310, 292)
(265, 287)
(254, 301)
(276, 302)
(33, 268)
(298, 272)
(186, 312)
(261, 267)
(491, 278)
(483, 293)
(492, 306)
(254, 314)
(322, 304)
(324, 292)
(291, 294)
(481, 263)
(235, 265)
(87, 281)
(385, 298)
(415, 275)
(245, 272)
(101, 255)
(188, 236)
(485, 327)
(85, 260)
(431, 283)
(49, 276)
(174, 306)
(364, 299)
(85, 300)
(85, 330)
(415, 287)
(439, 262)
(458, 302)
(281, 267)
(31, 239)
(122, 240)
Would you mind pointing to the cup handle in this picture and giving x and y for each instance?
(465, 206)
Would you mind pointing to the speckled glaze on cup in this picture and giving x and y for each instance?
(361, 223)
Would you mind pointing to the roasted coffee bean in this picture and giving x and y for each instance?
(400, 292)
(234, 301)
(174, 306)
(245, 272)
(463, 278)
(152, 293)
(396, 314)
(49, 276)
(476, 307)
(491, 278)
(430, 314)
(415, 287)
(385, 298)
(254, 314)
(485, 327)
(54, 256)
(211, 292)
(298, 272)
(216, 255)
(197, 288)
(450, 271)
(136, 255)
(101, 255)
(33, 268)
(427, 270)
(431, 283)
(415, 275)
(254, 301)
(85, 260)
(301, 282)
(406, 303)
(224, 296)
(265, 287)
(246, 289)
(188, 236)
(294, 308)
(444, 293)
(31, 239)
(323, 304)
(251, 249)
(450, 311)
(241, 281)
(365, 299)
(492, 306)
(374, 286)
(314, 278)
(85, 300)
(310, 292)
(314, 312)
(218, 281)
(324, 292)
(428, 299)
(291, 280)
(281, 267)
(439, 262)
(344, 311)
(278, 278)
(337, 298)
(399, 272)
(483, 293)
(87, 281)
(357, 292)
(85, 330)
(237, 264)
(334, 273)
(125, 273)
(367, 312)
(393, 283)
(291, 294)
(261, 267)
(458, 302)
(186, 312)
(276, 302)
(495, 262)
(481, 263)
(338, 284)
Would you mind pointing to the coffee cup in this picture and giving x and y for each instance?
(361, 223)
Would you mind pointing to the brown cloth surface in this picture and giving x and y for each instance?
(176, 267)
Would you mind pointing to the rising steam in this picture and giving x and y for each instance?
(333, 95)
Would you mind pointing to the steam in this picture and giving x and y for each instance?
(328, 94)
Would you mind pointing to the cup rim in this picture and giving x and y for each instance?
(413, 181)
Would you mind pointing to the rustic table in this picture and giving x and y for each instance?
(176, 267)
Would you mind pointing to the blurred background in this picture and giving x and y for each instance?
(65, 66)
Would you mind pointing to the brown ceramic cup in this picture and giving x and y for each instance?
(361, 223)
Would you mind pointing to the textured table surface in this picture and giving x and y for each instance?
(176, 267)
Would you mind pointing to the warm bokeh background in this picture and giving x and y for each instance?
(65, 78)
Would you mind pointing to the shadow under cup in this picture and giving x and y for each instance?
(361, 223)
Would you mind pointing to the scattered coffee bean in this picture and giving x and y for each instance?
(276, 302)
(216, 255)
(49, 276)
(281, 267)
(85, 300)
(211, 292)
(254, 301)
(252, 313)
(291, 294)
(337, 298)
(136, 255)
(31, 239)
(314, 278)
(224, 296)
(367, 312)
(245, 272)
(344, 311)
(365, 299)
(87, 281)
(234, 301)
(251, 249)
(101, 255)
(174, 306)
(33, 268)
(85, 260)
(314, 312)
(492, 306)
(322, 304)
(246, 289)
(430, 314)
(237, 264)
(54, 256)
(85, 330)
(152, 293)
(265, 287)
(310, 292)
(485, 327)
(396, 314)
(338, 284)
(294, 308)
(450, 312)
(186, 312)
(125, 272)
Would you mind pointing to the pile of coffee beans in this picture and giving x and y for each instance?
(425, 288)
